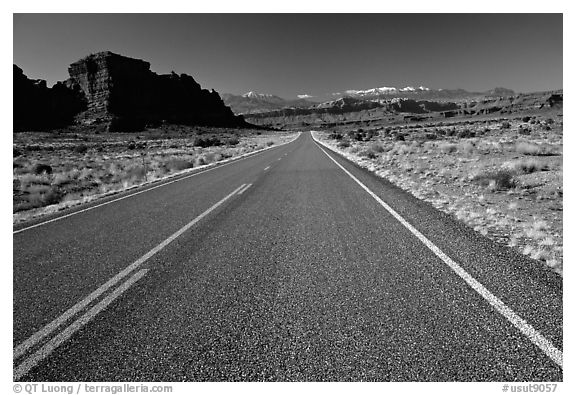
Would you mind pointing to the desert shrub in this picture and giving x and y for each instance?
(178, 164)
(61, 179)
(526, 148)
(466, 147)
(31, 179)
(496, 179)
(39, 196)
(343, 144)
(42, 168)
(505, 125)
(270, 143)
(368, 135)
(429, 136)
(212, 157)
(524, 131)
(450, 132)
(16, 152)
(32, 148)
(549, 121)
(402, 149)
(200, 161)
(399, 137)
(136, 172)
(378, 148)
(81, 148)
(368, 153)
(448, 148)
(526, 119)
(131, 145)
(353, 135)
(232, 141)
(53, 196)
(200, 142)
(527, 166)
(206, 142)
(335, 136)
(465, 133)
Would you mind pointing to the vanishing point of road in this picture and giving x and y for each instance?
(292, 264)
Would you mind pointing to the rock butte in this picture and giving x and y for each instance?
(119, 92)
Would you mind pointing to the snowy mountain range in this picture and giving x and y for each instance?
(263, 96)
(422, 93)
(385, 90)
(252, 102)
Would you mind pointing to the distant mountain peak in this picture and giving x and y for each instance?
(420, 92)
(255, 95)
(384, 90)
(253, 102)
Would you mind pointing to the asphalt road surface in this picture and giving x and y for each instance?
(289, 265)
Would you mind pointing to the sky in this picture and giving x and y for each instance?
(307, 54)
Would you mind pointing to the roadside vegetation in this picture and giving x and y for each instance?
(501, 176)
(52, 171)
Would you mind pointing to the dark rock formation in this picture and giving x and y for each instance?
(421, 106)
(37, 107)
(119, 92)
(555, 100)
(124, 92)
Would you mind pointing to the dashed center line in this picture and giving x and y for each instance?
(266, 168)
(33, 340)
(241, 191)
(67, 333)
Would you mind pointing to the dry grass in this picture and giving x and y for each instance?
(505, 185)
(526, 166)
(528, 148)
(108, 165)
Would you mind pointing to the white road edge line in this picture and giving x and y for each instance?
(527, 330)
(67, 333)
(240, 192)
(49, 328)
(222, 164)
(266, 168)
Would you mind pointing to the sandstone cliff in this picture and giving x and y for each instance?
(124, 94)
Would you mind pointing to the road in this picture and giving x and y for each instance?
(290, 265)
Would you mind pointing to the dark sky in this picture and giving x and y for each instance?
(316, 54)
